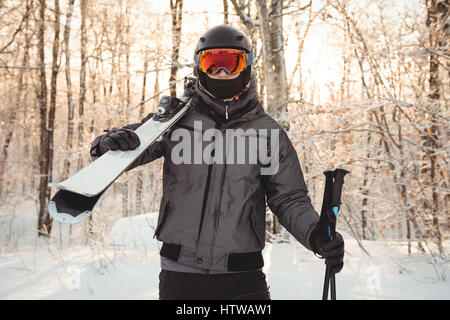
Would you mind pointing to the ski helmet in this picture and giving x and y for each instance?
(223, 36)
(219, 37)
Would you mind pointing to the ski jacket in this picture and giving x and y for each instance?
(212, 213)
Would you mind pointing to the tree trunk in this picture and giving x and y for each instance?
(365, 192)
(264, 31)
(438, 12)
(53, 90)
(275, 78)
(83, 56)
(127, 57)
(225, 11)
(177, 15)
(250, 28)
(70, 102)
(82, 97)
(44, 220)
(274, 67)
(124, 43)
(279, 77)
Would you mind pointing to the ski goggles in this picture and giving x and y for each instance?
(231, 60)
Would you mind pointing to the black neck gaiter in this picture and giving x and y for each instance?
(224, 89)
(227, 110)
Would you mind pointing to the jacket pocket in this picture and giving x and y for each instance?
(258, 228)
(162, 219)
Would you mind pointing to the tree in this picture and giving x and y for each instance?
(275, 78)
(225, 11)
(53, 90)
(70, 101)
(437, 21)
(44, 219)
(84, 60)
(176, 9)
(11, 121)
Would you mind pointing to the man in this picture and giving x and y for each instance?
(212, 213)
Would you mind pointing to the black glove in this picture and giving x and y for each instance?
(330, 250)
(123, 139)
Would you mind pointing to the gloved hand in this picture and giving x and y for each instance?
(330, 250)
(123, 139)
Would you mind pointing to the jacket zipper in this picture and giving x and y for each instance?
(217, 215)
(205, 194)
(217, 211)
(205, 198)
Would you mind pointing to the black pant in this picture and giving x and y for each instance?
(229, 286)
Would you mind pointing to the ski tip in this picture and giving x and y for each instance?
(65, 217)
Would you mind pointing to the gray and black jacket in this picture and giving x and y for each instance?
(212, 214)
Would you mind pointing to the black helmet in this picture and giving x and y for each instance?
(224, 36)
(218, 37)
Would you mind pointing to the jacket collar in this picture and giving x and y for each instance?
(232, 111)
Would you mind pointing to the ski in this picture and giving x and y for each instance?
(77, 196)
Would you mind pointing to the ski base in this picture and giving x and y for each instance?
(70, 207)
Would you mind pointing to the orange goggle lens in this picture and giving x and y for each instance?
(231, 60)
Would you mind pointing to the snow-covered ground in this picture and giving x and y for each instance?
(126, 266)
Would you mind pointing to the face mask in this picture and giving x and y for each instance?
(223, 89)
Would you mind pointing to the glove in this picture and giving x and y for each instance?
(330, 250)
(123, 139)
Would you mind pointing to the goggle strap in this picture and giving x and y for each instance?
(250, 58)
(196, 58)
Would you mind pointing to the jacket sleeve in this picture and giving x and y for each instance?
(287, 194)
(152, 153)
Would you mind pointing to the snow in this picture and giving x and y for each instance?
(125, 265)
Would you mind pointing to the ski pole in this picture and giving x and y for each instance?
(324, 223)
(328, 219)
(336, 202)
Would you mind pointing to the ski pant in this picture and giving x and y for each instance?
(249, 285)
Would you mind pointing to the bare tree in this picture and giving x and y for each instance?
(176, 9)
(53, 90)
(438, 12)
(277, 103)
(44, 219)
(70, 101)
(84, 59)
(11, 121)
(225, 11)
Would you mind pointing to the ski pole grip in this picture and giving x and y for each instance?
(337, 187)
(336, 191)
